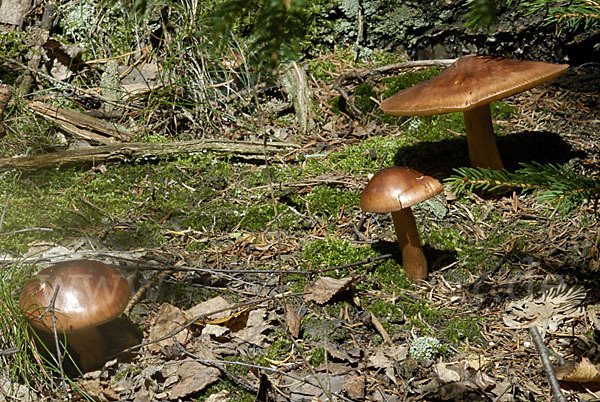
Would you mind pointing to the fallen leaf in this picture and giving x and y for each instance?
(221, 396)
(168, 320)
(208, 307)
(355, 387)
(583, 374)
(193, 378)
(292, 320)
(326, 287)
(445, 374)
(255, 328)
(548, 310)
(16, 392)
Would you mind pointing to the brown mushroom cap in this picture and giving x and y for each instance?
(470, 82)
(91, 293)
(395, 188)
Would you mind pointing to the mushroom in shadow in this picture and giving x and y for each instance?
(88, 294)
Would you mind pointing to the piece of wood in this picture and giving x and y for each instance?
(124, 152)
(12, 12)
(80, 124)
(5, 91)
(39, 36)
(295, 84)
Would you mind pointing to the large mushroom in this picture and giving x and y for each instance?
(469, 85)
(396, 190)
(90, 293)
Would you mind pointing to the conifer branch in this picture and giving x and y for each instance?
(554, 184)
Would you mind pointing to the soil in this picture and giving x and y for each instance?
(556, 123)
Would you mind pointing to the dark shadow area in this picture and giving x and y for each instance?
(436, 259)
(535, 146)
(584, 78)
(437, 159)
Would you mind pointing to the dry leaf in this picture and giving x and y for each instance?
(209, 306)
(585, 374)
(221, 396)
(326, 287)
(292, 320)
(548, 310)
(234, 321)
(167, 320)
(255, 328)
(193, 378)
(355, 387)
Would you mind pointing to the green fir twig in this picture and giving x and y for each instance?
(555, 184)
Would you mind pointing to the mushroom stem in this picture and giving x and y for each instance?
(413, 259)
(483, 150)
(91, 347)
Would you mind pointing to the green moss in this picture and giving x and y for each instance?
(331, 252)
(397, 83)
(447, 238)
(317, 357)
(139, 234)
(262, 217)
(389, 315)
(388, 275)
(280, 348)
(327, 201)
(145, 198)
(366, 156)
(461, 328)
(363, 98)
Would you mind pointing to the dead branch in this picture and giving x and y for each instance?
(541, 348)
(136, 151)
(81, 125)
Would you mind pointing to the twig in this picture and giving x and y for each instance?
(382, 161)
(337, 85)
(59, 358)
(138, 150)
(4, 212)
(142, 290)
(9, 351)
(541, 348)
(26, 230)
(483, 277)
(253, 271)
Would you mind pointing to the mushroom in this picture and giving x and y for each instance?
(90, 293)
(469, 85)
(395, 190)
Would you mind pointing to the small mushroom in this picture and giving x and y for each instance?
(90, 293)
(469, 85)
(395, 190)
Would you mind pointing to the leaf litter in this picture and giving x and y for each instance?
(334, 348)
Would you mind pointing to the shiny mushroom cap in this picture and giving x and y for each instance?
(469, 82)
(395, 188)
(90, 293)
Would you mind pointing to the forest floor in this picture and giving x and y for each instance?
(259, 278)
